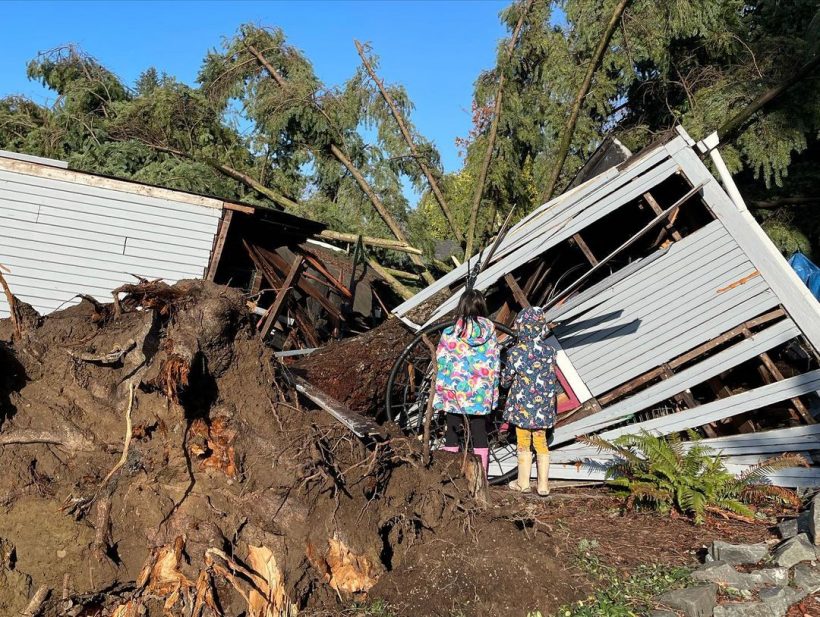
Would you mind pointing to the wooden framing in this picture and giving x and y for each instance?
(669, 227)
(668, 368)
(517, 292)
(581, 244)
(302, 320)
(308, 288)
(281, 295)
(219, 244)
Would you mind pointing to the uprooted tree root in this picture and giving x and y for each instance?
(152, 465)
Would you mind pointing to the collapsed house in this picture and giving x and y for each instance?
(66, 234)
(689, 319)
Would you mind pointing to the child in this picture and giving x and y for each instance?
(530, 406)
(467, 360)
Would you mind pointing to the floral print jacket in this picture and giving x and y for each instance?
(530, 368)
(467, 360)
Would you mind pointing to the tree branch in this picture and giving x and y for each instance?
(488, 153)
(732, 127)
(434, 187)
(575, 110)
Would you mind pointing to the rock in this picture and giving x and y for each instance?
(790, 527)
(738, 553)
(693, 602)
(725, 575)
(781, 598)
(787, 528)
(662, 614)
(814, 519)
(807, 577)
(794, 550)
(751, 609)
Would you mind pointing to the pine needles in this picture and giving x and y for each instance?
(667, 474)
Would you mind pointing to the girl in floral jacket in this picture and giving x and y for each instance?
(530, 406)
(467, 359)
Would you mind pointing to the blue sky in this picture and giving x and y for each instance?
(436, 49)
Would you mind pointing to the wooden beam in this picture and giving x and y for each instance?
(238, 207)
(219, 244)
(517, 292)
(723, 338)
(631, 385)
(317, 265)
(281, 264)
(776, 375)
(384, 243)
(302, 320)
(579, 241)
(688, 356)
(281, 295)
(687, 401)
(669, 228)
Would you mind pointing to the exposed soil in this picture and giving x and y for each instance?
(355, 371)
(235, 499)
(231, 499)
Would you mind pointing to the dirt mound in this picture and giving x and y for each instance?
(355, 371)
(153, 464)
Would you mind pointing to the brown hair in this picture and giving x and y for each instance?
(471, 306)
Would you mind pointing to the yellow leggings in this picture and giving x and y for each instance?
(536, 437)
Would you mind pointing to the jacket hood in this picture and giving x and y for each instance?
(476, 332)
(531, 325)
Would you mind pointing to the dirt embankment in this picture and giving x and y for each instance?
(154, 464)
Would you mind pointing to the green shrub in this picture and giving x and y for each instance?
(663, 473)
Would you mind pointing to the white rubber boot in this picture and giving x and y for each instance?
(522, 483)
(543, 463)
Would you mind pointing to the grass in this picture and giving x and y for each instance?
(619, 597)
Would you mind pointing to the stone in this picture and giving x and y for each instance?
(814, 519)
(793, 551)
(726, 576)
(787, 528)
(739, 553)
(693, 602)
(781, 598)
(807, 577)
(663, 614)
(750, 609)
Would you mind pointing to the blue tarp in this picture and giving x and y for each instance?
(807, 271)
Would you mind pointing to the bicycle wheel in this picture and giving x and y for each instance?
(408, 389)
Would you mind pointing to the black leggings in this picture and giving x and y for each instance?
(478, 430)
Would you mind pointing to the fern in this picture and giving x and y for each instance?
(668, 473)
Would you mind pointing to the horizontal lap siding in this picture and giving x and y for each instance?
(666, 308)
(59, 239)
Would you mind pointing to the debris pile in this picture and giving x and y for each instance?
(154, 463)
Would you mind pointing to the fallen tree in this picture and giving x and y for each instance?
(153, 465)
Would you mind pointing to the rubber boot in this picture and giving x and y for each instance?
(543, 486)
(450, 449)
(522, 483)
(484, 455)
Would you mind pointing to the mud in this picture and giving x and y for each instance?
(155, 464)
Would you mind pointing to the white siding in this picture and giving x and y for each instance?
(64, 233)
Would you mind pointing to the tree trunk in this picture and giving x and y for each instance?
(239, 176)
(380, 208)
(488, 153)
(575, 111)
(434, 187)
(388, 218)
(384, 243)
(734, 124)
